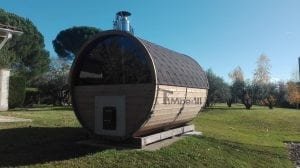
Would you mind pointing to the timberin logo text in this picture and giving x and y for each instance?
(179, 100)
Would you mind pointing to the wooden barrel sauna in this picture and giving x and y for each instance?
(123, 86)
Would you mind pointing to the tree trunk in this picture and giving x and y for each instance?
(270, 105)
(248, 103)
(229, 102)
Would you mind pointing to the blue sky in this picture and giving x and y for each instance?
(219, 34)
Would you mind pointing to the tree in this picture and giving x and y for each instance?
(268, 95)
(247, 94)
(241, 91)
(218, 89)
(237, 74)
(31, 59)
(69, 41)
(264, 92)
(294, 93)
(53, 86)
(236, 89)
(262, 71)
(7, 58)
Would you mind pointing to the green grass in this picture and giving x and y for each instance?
(233, 137)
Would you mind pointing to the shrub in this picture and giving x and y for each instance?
(53, 85)
(16, 91)
(32, 96)
(218, 90)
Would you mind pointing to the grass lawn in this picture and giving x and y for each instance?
(233, 137)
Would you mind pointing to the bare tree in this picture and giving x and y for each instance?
(262, 73)
(237, 74)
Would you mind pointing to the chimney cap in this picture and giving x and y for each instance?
(123, 13)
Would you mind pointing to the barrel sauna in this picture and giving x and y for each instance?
(123, 86)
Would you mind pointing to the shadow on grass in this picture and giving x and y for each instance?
(38, 145)
(26, 146)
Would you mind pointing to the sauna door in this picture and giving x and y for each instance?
(110, 115)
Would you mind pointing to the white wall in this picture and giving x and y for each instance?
(4, 89)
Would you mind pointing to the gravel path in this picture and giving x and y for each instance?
(295, 153)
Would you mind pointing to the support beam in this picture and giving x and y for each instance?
(5, 39)
(144, 141)
(6, 32)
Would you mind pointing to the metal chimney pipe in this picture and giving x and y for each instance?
(122, 22)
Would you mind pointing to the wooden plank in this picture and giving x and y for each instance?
(172, 88)
(170, 112)
(144, 141)
(169, 120)
(185, 117)
(163, 107)
(179, 88)
(157, 121)
(162, 115)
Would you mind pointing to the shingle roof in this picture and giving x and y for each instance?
(173, 68)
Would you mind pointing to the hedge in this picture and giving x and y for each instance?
(17, 87)
(32, 96)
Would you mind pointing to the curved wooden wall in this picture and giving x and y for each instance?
(173, 106)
